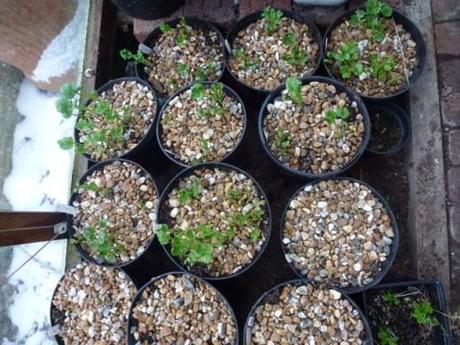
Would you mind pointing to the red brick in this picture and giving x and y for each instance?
(445, 10)
(448, 38)
(449, 80)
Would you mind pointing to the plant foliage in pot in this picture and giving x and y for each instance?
(116, 204)
(116, 121)
(411, 312)
(314, 127)
(266, 47)
(339, 232)
(298, 312)
(183, 50)
(202, 123)
(90, 305)
(180, 308)
(375, 50)
(215, 220)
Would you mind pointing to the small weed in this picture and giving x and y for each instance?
(423, 313)
(198, 91)
(215, 94)
(183, 32)
(241, 55)
(138, 57)
(272, 19)
(234, 194)
(347, 58)
(296, 55)
(165, 28)
(282, 140)
(193, 192)
(337, 113)
(372, 16)
(182, 69)
(382, 67)
(294, 89)
(386, 337)
(391, 298)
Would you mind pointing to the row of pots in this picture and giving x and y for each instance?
(102, 305)
(227, 46)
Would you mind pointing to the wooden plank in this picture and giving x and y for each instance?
(427, 199)
(27, 227)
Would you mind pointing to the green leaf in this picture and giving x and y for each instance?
(164, 27)
(289, 39)
(65, 107)
(66, 143)
(386, 10)
(182, 69)
(255, 234)
(163, 234)
(390, 298)
(294, 88)
(272, 19)
(423, 313)
(198, 91)
(386, 337)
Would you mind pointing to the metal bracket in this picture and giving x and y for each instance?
(60, 228)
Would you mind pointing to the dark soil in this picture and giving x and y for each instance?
(395, 316)
(385, 132)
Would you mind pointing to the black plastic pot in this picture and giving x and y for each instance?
(248, 90)
(340, 88)
(54, 313)
(435, 290)
(148, 9)
(148, 139)
(409, 26)
(394, 246)
(156, 33)
(164, 218)
(272, 296)
(71, 231)
(401, 120)
(229, 92)
(132, 341)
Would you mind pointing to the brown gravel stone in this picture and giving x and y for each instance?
(127, 199)
(338, 233)
(92, 305)
(306, 314)
(181, 309)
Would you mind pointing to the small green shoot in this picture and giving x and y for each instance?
(347, 59)
(215, 94)
(138, 57)
(100, 241)
(295, 55)
(382, 67)
(165, 28)
(234, 194)
(283, 140)
(204, 147)
(272, 19)
(391, 298)
(337, 113)
(192, 192)
(68, 100)
(182, 69)
(289, 39)
(371, 17)
(241, 55)
(386, 337)
(198, 91)
(183, 32)
(294, 89)
(423, 313)
(66, 143)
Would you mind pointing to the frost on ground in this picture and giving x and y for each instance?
(42, 171)
(65, 50)
(33, 289)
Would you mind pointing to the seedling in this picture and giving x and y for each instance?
(182, 69)
(192, 192)
(193, 245)
(386, 336)
(100, 241)
(215, 94)
(283, 140)
(234, 194)
(391, 298)
(241, 55)
(165, 28)
(251, 218)
(347, 58)
(423, 313)
(204, 147)
(382, 66)
(138, 57)
(272, 19)
(294, 89)
(198, 91)
(337, 113)
(68, 100)
(295, 56)
(201, 74)
(371, 18)
(183, 32)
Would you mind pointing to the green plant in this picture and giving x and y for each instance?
(337, 113)
(234, 194)
(165, 28)
(68, 100)
(201, 74)
(138, 57)
(100, 241)
(198, 91)
(215, 94)
(282, 140)
(347, 58)
(391, 298)
(372, 16)
(294, 89)
(382, 66)
(183, 32)
(182, 69)
(272, 19)
(295, 55)
(241, 55)
(192, 192)
(204, 147)
(193, 245)
(386, 337)
(423, 313)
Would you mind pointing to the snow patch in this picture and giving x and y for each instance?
(42, 171)
(65, 50)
